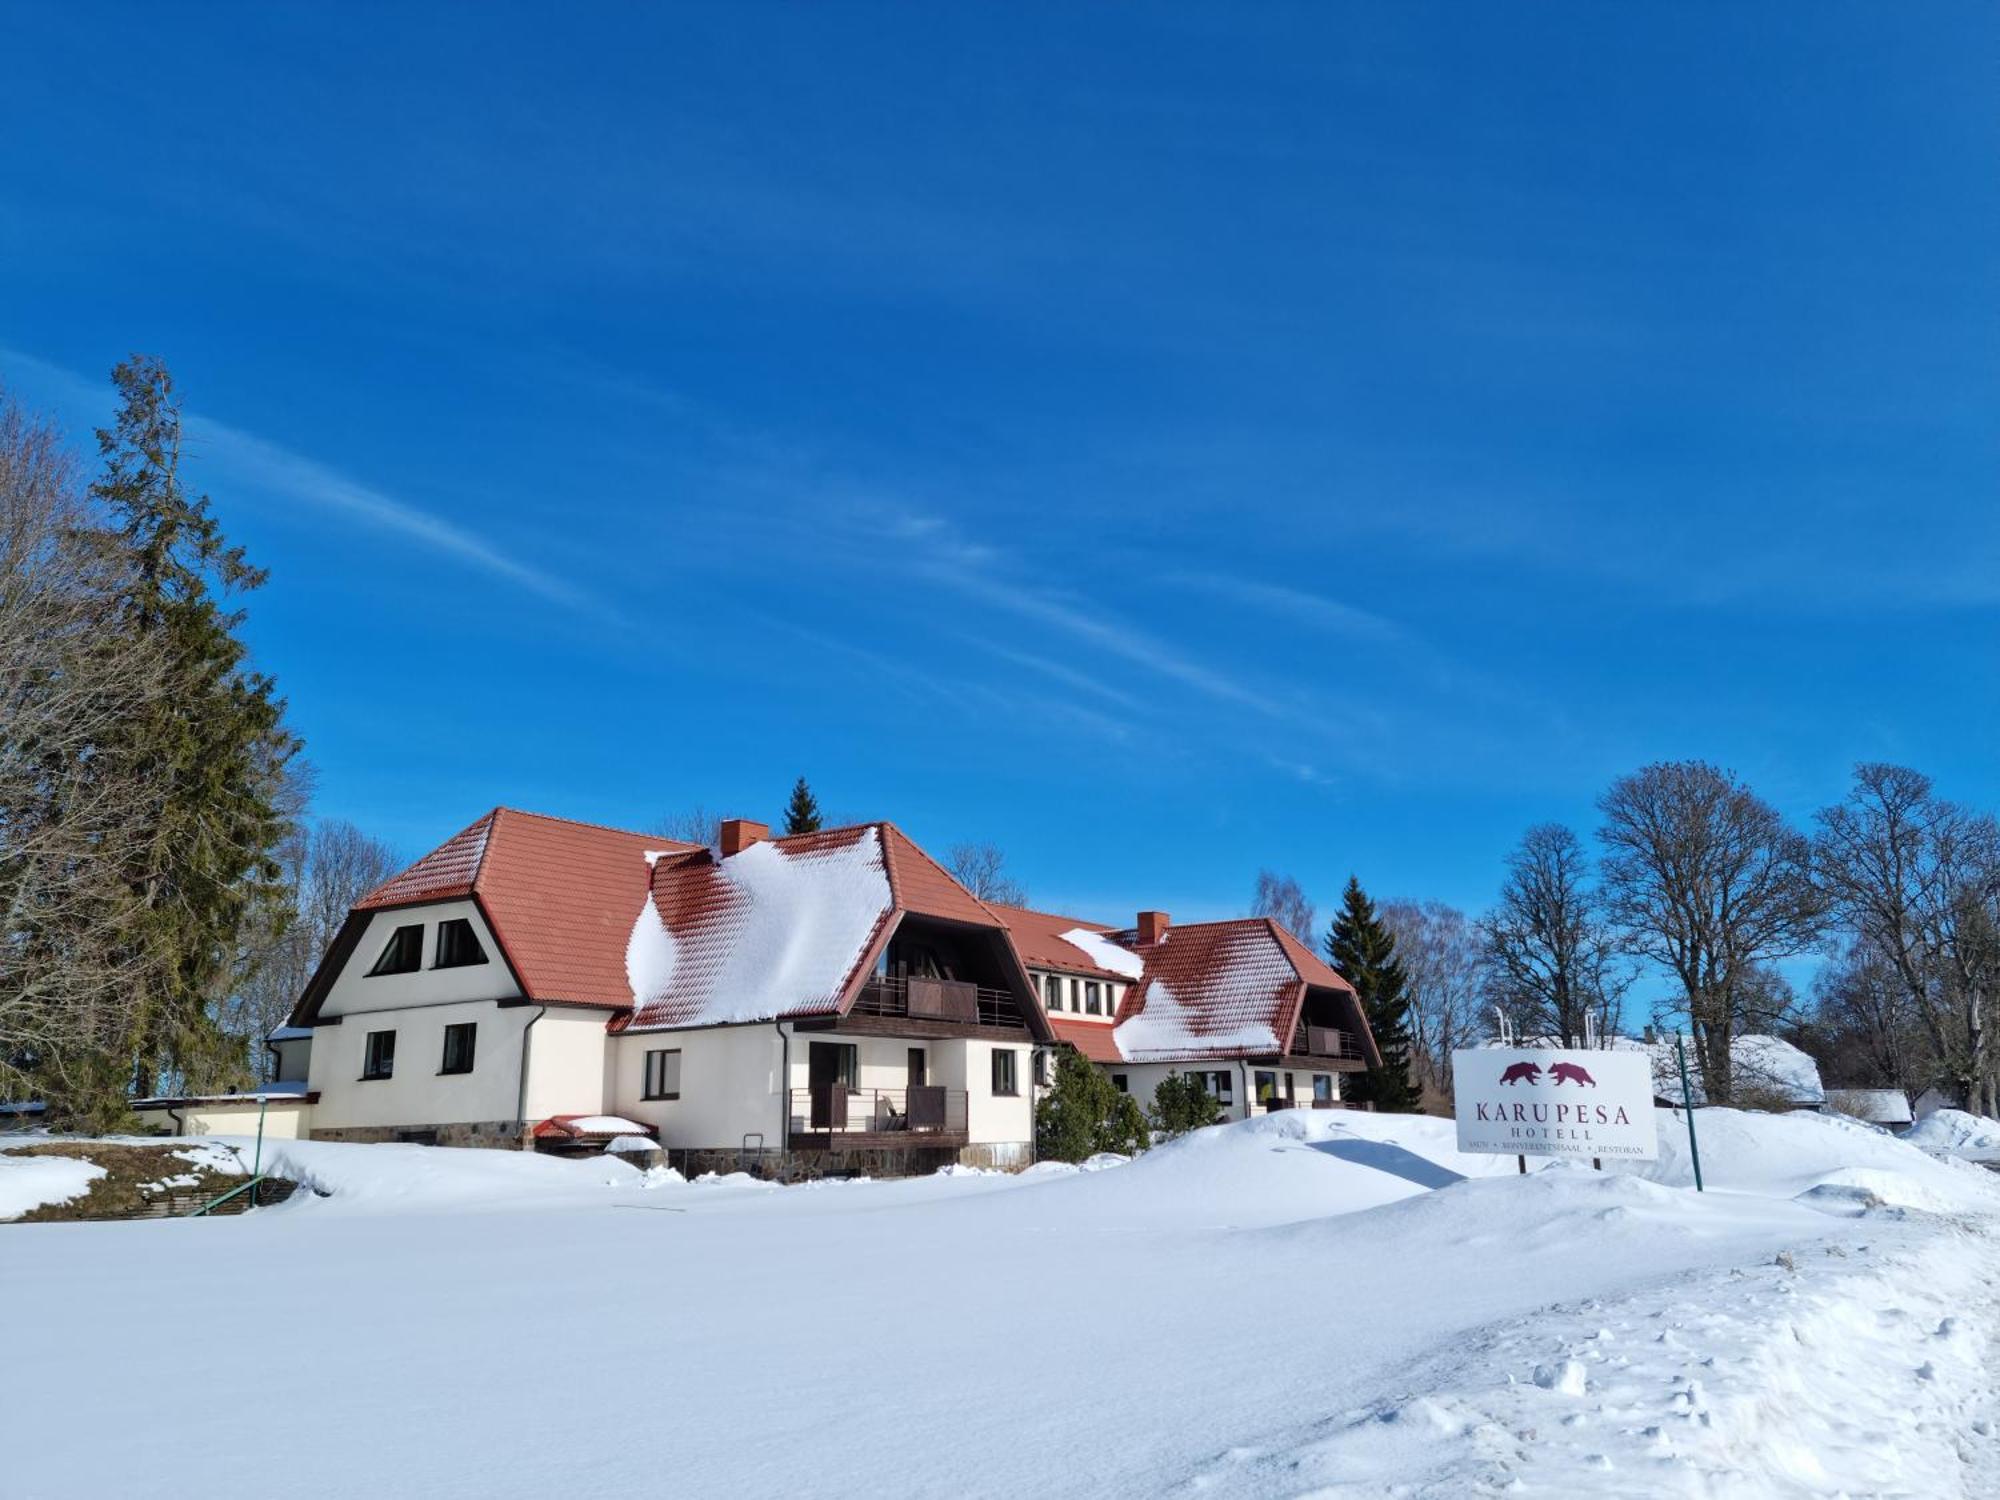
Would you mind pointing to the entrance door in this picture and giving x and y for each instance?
(918, 1063)
(828, 1066)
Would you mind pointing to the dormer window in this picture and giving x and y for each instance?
(405, 953)
(458, 945)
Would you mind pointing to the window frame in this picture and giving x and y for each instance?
(455, 925)
(375, 1066)
(380, 970)
(470, 1031)
(653, 1077)
(1093, 998)
(1122, 1082)
(1322, 1087)
(1006, 1063)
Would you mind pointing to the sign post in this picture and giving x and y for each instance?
(1687, 1099)
(1545, 1101)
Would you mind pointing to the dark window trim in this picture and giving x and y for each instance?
(445, 1070)
(1013, 1071)
(646, 1075)
(439, 961)
(394, 944)
(369, 1072)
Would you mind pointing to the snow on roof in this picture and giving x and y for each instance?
(579, 1125)
(1105, 954)
(1877, 1106)
(1760, 1063)
(1220, 989)
(289, 1034)
(1048, 941)
(775, 930)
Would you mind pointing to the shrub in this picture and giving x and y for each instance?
(1181, 1104)
(1083, 1114)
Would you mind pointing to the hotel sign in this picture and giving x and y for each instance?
(1546, 1102)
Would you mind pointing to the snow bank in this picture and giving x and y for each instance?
(29, 1182)
(1953, 1132)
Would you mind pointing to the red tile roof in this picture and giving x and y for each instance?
(1038, 938)
(1222, 990)
(1093, 1039)
(831, 905)
(558, 895)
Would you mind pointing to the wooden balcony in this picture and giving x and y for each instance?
(951, 1002)
(834, 1117)
(1328, 1042)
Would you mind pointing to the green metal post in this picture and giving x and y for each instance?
(257, 1168)
(1687, 1099)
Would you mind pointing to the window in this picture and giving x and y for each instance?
(1045, 1068)
(405, 953)
(1220, 1085)
(1120, 1083)
(458, 945)
(458, 1047)
(663, 1074)
(379, 1060)
(1003, 1072)
(1075, 1005)
(1093, 997)
(919, 1066)
(1267, 1087)
(1323, 1086)
(833, 1063)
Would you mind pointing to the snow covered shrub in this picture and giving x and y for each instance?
(1181, 1104)
(1084, 1114)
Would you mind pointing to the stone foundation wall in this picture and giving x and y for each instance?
(503, 1135)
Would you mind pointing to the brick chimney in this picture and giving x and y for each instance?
(1152, 927)
(739, 834)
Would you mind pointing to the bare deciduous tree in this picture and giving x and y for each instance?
(1444, 964)
(71, 969)
(326, 869)
(981, 869)
(1864, 1030)
(1554, 958)
(696, 825)
(1915, 878)
(1284, 900)
(1703, 877)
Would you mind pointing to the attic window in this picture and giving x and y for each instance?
(458, 945)
(405, 953)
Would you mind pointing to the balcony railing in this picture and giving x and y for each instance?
(917, 1111)
(956, 1000)
(1326, 1041)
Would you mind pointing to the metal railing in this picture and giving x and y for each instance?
(919, 1110)
(1326, 1041)
(907, 997)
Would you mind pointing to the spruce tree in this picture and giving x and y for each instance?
(210, 756)
(1362, 951)
(802, 812)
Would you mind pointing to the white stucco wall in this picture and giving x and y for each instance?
(416, 1093)
(1141, 1079)
(292, 1057)
(356, 990)
(285, 1120)
(566, 1069)
(729, 1085)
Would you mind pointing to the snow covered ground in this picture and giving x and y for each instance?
(1308, 1303)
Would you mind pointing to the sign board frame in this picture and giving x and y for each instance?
(1555, 1101)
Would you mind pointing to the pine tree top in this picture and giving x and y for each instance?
(802, 812)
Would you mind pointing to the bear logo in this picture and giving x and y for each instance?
(1522, 1072)
(1571, 1073)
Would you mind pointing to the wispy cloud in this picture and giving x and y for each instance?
(275, 469)
(270, 466)
(1308, 608)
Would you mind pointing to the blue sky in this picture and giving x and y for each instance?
(1165, 442)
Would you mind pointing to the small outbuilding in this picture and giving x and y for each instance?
(1889, 1108)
